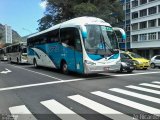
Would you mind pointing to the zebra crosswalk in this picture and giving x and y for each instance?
(22, 112)
(150, 85)
(106, 111)
(144, 89)
(118, 96)
(61, 110)
(128, 103)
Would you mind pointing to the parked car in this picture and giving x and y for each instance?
(126, 63)
(140, 62)
(155, 61)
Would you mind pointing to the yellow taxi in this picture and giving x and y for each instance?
(140, 62)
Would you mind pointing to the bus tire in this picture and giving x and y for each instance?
(64, 67)
(17, 61)
(35, 63)
(10, 60)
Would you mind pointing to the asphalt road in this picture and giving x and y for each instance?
(27, 93)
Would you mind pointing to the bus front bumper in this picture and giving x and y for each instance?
(90, 69)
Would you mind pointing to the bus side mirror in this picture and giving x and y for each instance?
(121, 33)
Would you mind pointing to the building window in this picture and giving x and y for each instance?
(134, 3)
(152, 23)
(135, 26)
(143, 2)
(152, 36)
(158, 8)
(128, 28)
(134, 38)
(127, 16)
(127, 5)
(143, 12)
(143, 37)
(152, 10)
(159, 22)
(134, 15)
(143, 25)
(128, 39)
(158, 35)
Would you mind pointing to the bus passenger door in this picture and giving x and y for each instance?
(71, 49)
(78, 52)
(67, 48)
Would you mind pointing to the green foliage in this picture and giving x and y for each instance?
(45, 22)
(61, 10)
(85, 9)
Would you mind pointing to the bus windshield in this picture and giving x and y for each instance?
(100, 40)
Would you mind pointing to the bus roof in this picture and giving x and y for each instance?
(74, 22)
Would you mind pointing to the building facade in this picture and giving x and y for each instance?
(8, 34)
(145, 25)
(125, 45)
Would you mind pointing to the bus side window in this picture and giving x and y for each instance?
(67, 36)
(71, 37)
(53, 36)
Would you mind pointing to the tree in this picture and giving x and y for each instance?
(61, 10)
(85, 9)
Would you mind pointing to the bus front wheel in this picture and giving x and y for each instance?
(64, 68)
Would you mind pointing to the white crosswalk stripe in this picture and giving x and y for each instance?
(150, 85)
(137, 95)
(128, 103)
(144, 89)
(156, 82)
(61, 111)
(21, 113)
(106, 111)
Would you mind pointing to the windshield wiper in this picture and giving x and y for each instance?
(105, 44)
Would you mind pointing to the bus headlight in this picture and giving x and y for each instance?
(89, 62)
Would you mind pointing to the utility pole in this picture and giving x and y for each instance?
(125, 27)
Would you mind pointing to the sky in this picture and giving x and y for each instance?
(22, 15)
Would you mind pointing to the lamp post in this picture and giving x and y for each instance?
(125, 26)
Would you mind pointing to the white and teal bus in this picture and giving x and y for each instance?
(17, 53)
(84, 45)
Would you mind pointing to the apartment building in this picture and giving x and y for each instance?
(126, 25)
(145, 27)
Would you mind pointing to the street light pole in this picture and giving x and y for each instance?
(125, 27)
